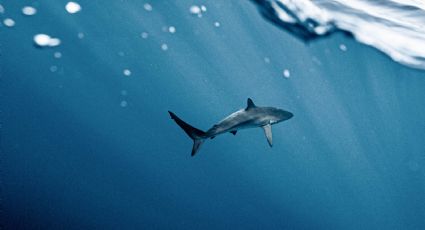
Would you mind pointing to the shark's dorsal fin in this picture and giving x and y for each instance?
(268, 133)
(250, 104)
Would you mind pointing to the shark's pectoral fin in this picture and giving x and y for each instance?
(268, 133)
(212, 137)
(233, 132)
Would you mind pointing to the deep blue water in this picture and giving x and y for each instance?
(83, 146)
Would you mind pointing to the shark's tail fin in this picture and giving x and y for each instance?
(198, 136)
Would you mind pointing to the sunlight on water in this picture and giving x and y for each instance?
(393, 27)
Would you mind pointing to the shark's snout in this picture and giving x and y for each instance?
(290, 115)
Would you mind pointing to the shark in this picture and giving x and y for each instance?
(250, 117)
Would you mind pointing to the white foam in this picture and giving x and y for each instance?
(164, 47)
(217, 24)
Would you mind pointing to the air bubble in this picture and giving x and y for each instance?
(172, 29)
(286, 73)
(126, 72)
(144, 35)
(29, 10)
(72, 7)
(9, 22)
(148, 7)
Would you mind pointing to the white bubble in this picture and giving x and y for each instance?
(124, 92)
(53, 68)
(29, 10)
(267, 60)
(72, 7)
(80, 35)
(57, 54)
(126, 72)
(217, 24)
(343, 47)
(286, 73)
(9, 22)
(1, 9)
(54, 42)
(42, 39)
(172, 29)
(144, 35)
(195, 9)
(123, 104)
(164, 47)
(147, 6)
(203, 8)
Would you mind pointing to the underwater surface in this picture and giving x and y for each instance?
(87, 142)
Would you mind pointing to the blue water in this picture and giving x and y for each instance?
(84, 146)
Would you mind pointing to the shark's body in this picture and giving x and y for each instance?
(250, 117)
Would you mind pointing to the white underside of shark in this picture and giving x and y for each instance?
(251, 117)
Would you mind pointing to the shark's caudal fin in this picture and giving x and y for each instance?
(198, 136)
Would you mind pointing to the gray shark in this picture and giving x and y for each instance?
(251, 117)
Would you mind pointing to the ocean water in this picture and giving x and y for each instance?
(87, 143)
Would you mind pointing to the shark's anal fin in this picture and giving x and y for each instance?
(268, 133)
(233, 132)
(250, 104)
